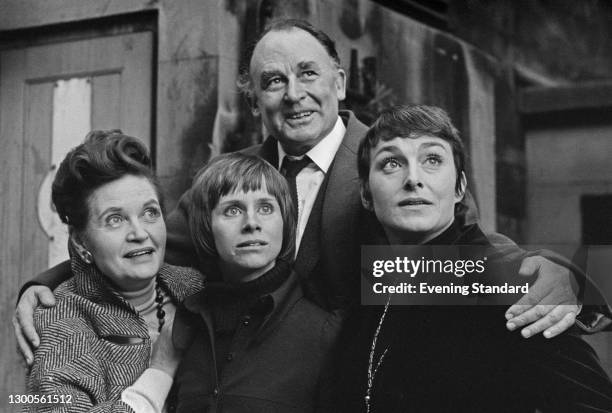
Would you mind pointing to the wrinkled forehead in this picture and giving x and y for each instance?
(287, 49)
(127, 191)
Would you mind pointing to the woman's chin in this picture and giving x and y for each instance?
(137, 277)
(414, 229)
(411, 232)
(417, 228)
(250, 270)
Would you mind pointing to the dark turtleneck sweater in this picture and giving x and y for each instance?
(231, 304)
(462, 359)
(253, 347)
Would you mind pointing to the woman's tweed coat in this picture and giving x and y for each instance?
(93, 343)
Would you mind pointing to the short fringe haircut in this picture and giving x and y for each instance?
(231, 172)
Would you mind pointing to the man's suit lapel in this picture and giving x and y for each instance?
(332, 250)
(268, 150)
(330, 243)
(343, 183)
(342, 201)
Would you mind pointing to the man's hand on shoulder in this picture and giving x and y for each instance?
(23, 320)
(551, 306)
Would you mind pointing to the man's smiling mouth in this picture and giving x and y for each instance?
(299, 115)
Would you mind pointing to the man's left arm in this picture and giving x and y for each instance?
(552, 304)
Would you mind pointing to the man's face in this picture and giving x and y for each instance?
(296, 87)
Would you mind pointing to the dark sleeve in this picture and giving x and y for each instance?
(467, 214)
(51, 278)
(179, 247)
(571, 375)
(596, 314)
(325, 388)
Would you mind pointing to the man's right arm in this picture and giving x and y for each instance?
(34, 293)
(51, 278)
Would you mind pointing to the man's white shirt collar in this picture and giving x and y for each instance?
(323, 153)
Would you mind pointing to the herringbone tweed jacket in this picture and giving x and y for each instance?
(93, 344)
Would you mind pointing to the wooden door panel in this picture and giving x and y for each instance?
(105, 110)
(38, 105)
(73, 59)
(119, 69)
(135, 80)
(11, 155)
(113, 56)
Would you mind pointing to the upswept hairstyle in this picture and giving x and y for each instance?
(225, 174)
(244, 77)
(103, 157)
(410, 121)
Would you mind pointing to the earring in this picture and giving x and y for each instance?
(87, 257)
(367, 204)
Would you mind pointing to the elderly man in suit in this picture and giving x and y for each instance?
(294, 81)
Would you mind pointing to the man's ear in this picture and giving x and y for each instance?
(253, 103)
(460, 193)
(341, 84)
(366, 197)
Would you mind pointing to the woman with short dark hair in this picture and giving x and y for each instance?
(252, 342)
(441, 357)
(237, 172)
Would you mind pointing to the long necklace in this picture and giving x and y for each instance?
(372, 369)
(159, 300)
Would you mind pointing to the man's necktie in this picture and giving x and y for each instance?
(290, 169)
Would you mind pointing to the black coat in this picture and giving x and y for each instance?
(272, 362)
(462, 359)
